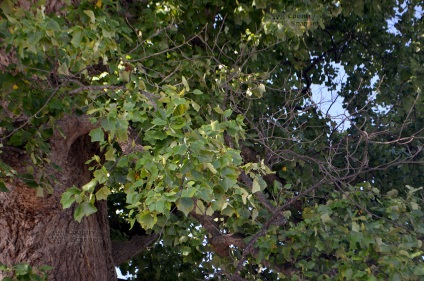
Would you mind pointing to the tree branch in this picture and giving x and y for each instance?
(69, 128)
(219, 241)
(123, 251)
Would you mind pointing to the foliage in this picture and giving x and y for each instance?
(206, 120)
(24, 271)
(165, 263)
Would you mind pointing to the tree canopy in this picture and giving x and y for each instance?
(214, 156)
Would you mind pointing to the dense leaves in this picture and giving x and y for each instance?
(23, 271)
(211, 136)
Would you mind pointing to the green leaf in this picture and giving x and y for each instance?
(259, 90)
(200, 208)
(419, 270)
(185, 83)
(228, 113)
(218, 110)
(91, 15)
(243, 213)
(197, 92)
(404, 253)
(68, 197)
(287, 214)
(355, 226)
(229, 181)
(109, 124)
(147, 220)
(189, 191)
(29, 180)
(235, 156)
(39, 191)
(97, 135)
(3, 187)
(227, 210)
(21, 268)
(3, 267)
(255, 187)
(206, 156)
(211, 168)
(195, 106)
(258, 184)
(288, 186)
(158, 205)
(110, 154)
(89, 187)
(180, 110)
(103, 193)
(392, 193)
(45, 268)
(51, 24)
(326, 218)
(159, 122)
(7, 7)
(185, 205)
(76, 38)
(122, 134)
(63, 69)
(84, 209)
(133, 198)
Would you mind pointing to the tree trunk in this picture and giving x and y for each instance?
(38, 231)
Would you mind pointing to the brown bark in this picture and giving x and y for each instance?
(38, 231)
(123, 251)
(220, 242)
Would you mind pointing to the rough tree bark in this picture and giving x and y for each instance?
(38, 231)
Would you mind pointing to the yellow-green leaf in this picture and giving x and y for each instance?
(185, 83)
(102, 193)
(89, 187)
(147, 220)
(211, 168)
(256, 187)
(91, 15)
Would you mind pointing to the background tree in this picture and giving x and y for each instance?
(183, 140)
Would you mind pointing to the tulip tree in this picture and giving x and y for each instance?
(183, 140)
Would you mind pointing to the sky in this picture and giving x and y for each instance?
(329, 102)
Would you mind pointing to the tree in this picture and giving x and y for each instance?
(183, 141)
